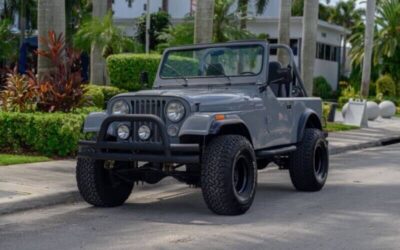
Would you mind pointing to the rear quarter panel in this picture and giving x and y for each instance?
(300, 105)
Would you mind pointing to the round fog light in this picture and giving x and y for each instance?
(123, 132)
(144, 132)
(172, 130)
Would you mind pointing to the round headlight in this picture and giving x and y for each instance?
(123, 132)
(144, 132)
(120, 108)
(175, 111)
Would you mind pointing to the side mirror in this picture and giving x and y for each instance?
(144, 79)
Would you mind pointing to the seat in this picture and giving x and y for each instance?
(279, 79)
(215, 69)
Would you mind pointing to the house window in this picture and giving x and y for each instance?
(294, 45)
(327, 52)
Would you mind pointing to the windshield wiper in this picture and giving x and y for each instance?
(219, 70)
(179, 75)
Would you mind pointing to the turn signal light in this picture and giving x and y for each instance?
(219, 117)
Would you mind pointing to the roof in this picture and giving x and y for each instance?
(321, 23)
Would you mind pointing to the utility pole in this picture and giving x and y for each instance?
(148, 27)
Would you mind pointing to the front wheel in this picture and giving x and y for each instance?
(99, 186)
(308, 166)
(229, 175)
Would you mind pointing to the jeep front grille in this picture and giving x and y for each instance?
(153, 106)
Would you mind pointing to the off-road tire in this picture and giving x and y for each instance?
(222, 157)
(95, 187)
(309, 164)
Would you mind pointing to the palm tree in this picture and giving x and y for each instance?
(107, 37)
(346, 15)
(203, 27)
(51, 17)
(369, 40)
(284, 29)
(243, 6)
(324, 10)
(98, 73)
(227, 23)
(309, 43)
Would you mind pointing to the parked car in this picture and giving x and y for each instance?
(217, 113)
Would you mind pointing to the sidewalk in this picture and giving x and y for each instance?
(34, 185)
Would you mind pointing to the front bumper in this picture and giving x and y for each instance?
(160, 152)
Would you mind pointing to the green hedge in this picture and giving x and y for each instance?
(99, 95)
(49, 134)
(125, 69)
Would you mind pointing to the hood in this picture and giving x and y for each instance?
(208, 100)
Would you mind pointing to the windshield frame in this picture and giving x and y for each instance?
(217, 80)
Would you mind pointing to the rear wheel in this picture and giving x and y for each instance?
(229, 175)
(98, 184)
(309, 165)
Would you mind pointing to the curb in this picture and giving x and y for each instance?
(74, 196)
(40, 201)
(370, 144)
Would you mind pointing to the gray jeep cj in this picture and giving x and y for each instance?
(216, 114)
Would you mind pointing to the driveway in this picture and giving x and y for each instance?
(358, 209)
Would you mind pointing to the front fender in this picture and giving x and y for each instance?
(93, 121)
(197, 124)
(205, 124)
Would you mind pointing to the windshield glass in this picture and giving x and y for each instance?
(227, 61)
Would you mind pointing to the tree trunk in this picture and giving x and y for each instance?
(51, 17)
(203, 27)
(309, 43)
(165, 4)
(344, 57)
(284, 29)
(98, 72)
(22, 21)
(243, 7)
(368, 47)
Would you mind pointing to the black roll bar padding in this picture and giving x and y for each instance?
(292, 63)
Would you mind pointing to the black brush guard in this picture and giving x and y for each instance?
(160, 152)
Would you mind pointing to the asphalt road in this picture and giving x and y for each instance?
(358, 209)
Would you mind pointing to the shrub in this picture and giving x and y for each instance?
(343, 100)
(386, 86)
(100, 95)
(322, 88)
(94, 96)
(61, 88)
(125, 69)
(50, 134)
(20, 93)
(111, 91)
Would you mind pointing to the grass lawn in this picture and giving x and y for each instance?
(336, 127)
(9, 159)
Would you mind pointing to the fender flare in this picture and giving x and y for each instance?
(206, 125)
(309, 119)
